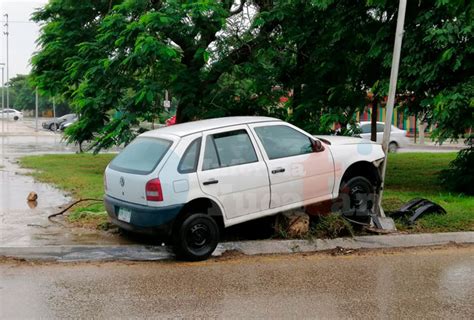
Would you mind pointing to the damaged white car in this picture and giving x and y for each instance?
(186, 181)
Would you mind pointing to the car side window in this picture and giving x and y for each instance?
(365, 128)
(380, 127)
(190, 157)
(228, 149)
(283, 141)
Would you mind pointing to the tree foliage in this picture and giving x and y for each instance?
(23, 97)
(437, 65)
(115, 59)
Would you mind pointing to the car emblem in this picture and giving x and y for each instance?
(122, 181)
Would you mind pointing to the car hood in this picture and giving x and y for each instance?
(343, 140)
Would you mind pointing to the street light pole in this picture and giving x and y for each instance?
(54, 113)
(36, 110)
(391, 97)
(2, 65)
(7, 60)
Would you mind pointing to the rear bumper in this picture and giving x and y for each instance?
(144, 219)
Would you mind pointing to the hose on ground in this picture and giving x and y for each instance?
(72, 205)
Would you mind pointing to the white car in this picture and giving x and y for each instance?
(186, 181)
(11, 114)
(398, 137)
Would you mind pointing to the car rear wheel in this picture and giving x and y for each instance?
(53, 127)
(15, 118)
(196, 237)
(357, 197)
(392, 147)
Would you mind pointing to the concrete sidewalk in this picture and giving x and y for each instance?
(151, 253)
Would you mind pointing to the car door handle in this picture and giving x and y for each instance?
(213, 181)
(278, 170)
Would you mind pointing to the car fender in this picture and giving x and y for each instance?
(346, 155)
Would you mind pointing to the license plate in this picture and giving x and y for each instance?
(124, 214)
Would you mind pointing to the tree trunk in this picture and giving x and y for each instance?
(298, 115)
(181, 115)
(416, 124)
(373, 123)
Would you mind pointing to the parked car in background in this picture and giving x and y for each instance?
(398, 137)
(11, 114)
(55, 123)
(67, 123)
(185, 181)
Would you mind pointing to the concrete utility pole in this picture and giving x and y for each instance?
(36, 110)
(6, 33)
(2, 65)
(54, 113)
(391, 96)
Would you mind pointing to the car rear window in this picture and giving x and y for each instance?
(141, 156)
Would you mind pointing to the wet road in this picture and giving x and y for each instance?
(23, 223)
(416, 284)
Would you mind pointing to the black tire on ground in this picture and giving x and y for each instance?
(53, 127)
(392, 147)
(15, 118)
(357, 196)
(196, 237)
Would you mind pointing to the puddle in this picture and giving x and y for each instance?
(24, 223)
(15, 187)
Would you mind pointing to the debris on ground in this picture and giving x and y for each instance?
(32, 196)
(416, 208)
(292, 224)
(72, 205)
(339, 251)
(331, 226)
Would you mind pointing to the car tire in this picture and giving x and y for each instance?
(392, 147)
(196, 237)
(357, 196)
(16, 118)
(53, 127)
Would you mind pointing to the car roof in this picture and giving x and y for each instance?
(188, 128)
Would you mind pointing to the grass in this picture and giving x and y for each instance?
(81, 175)
(415, 175)
(409, 175)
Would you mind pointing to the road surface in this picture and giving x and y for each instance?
(416, 284)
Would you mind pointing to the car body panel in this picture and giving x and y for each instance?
(11, 114)
(303, 177)
(131, 186)
(241, 189)
(244, 191)
(397, 135)
(59, 121)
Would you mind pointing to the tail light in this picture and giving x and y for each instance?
(153, 190)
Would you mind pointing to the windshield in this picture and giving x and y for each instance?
(141, 156)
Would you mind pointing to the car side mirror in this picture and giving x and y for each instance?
(317, 146)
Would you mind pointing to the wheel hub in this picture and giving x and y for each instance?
(355, 190)
(198, 235)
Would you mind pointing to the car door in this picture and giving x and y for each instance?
(297, 172)
(232, 170)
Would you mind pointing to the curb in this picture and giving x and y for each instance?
(154, 253)
(436, 147)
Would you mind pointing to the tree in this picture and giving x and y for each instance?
(437, 75)
(117, 61)
(22, 94)
(436, 68)
(114, 59)
(23, 97)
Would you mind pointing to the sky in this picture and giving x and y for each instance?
(23, 34)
